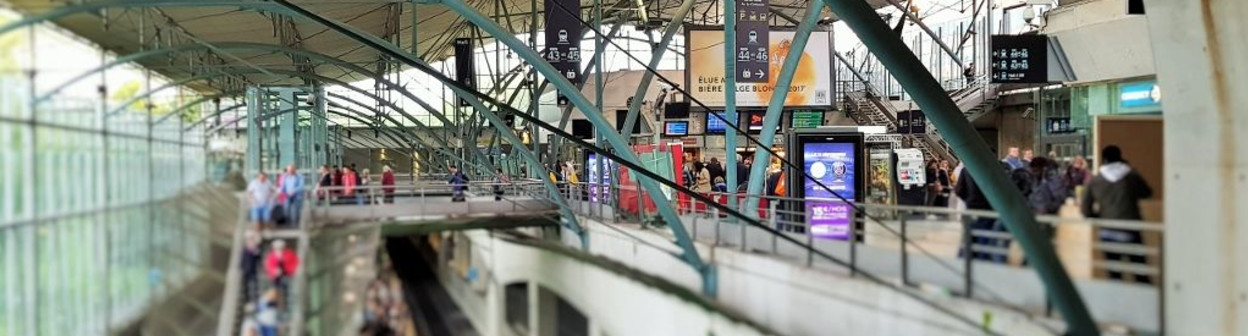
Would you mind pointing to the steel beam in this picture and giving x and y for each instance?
(656, 55)
(400, 54)
(775, 108)
(979, 160)
(594, 115)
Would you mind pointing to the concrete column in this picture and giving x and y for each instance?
(1200, 48)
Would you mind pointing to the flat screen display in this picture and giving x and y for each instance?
(676, 128)
(835, 165)
(717, 125)
(756, 121)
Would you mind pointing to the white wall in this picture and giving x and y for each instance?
(615, 304)
(1101, 41)
(792, 299)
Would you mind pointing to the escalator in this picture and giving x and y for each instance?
(433, 311)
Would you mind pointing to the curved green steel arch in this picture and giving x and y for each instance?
(182, 108)
(149, 93)
(88, 7)
(425, 128)
(250, 46)
(214, 114)
(595, 117)
(416, 137)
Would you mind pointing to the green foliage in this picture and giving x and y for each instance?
(9, 46)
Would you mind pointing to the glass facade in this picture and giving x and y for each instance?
(93, 225)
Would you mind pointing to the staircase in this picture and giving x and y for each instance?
(868, 109)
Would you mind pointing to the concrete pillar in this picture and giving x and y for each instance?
(1200, 48)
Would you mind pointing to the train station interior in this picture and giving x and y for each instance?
(623, 167)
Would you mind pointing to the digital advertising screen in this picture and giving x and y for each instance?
(836, 163)
(600, 177)
(812, 80)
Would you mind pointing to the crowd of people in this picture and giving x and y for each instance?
(349, 185)
(1113, 192)
(275, 204)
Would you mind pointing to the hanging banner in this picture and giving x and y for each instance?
(812, 81)
(464, 71)
(753, 37)
(563, 40)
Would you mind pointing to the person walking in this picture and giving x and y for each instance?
(969, 191)
(1048, 190)
(260, 196)
(1012, 159)
(459, 184)
(716, 169)
(292, 191)
(366, 181)
(500, 180)
(349, 182)
(703, 182)
(945, 185)
(338, 173)
(387, 184)
(280, 265)
(933, 184)
(253, 254)
(1077, 174)
(267, 314)
(326, 182)
(743, 170)
(1115, 193)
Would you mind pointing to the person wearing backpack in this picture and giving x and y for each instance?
(500, 179)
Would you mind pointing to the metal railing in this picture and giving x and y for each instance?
(965, 252)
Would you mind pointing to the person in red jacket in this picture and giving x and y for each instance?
(280, 265)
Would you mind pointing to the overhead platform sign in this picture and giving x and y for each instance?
(465, 72)
(812, 82)
(563, 40)
(753, 37)
(1020, 59)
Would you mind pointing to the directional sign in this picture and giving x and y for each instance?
(563, 40)
(465, 72)
(753, 37)
(1020, 59)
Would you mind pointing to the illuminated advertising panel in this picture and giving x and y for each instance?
(812, 83)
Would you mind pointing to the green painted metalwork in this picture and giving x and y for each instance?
(529, 156)
(95, 6)
(775, 108)
(979, 161)
(683, 239)
(656, 56)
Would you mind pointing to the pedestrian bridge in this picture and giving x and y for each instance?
(894, 254)
(430, 202)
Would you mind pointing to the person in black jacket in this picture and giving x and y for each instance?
(1115, 193)
(716, 169)
(969, 191)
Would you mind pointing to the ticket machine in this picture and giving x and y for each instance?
(910, 176)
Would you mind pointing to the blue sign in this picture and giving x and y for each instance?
(676, 128)
(1139, 94)
(715, 124)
